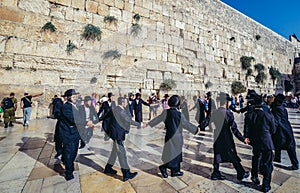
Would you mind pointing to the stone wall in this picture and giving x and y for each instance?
(189, 41)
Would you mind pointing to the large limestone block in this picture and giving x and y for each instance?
(142, 11)
(79, 4)
(62, 2)
(20, 46)
(103, 9)
(91, 6)
(80, 16)
(36, 6)
(58, 11)
(9, 14)
(119, 4)
(128, 6)
(9, 3)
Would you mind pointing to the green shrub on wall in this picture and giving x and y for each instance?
(114, 54)
(70, 47)
(91, 32)
(246, 62)
(208, 84)
(49, 27)
(275, 74)
(110, 20)
(237, 87)
(167, 85)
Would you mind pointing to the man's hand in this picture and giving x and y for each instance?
(89, 124)
(198, 132)
(247, 141)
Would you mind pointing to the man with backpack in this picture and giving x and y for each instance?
(9, 104)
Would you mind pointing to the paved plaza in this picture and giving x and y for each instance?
(27, 163)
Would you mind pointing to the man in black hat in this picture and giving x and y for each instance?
(118, 127)
(174, 123)
(105, 108)
(130, 105)
(69, 132)
(259, 127)
(88, 118)
(138, 110)
(224, 146)
(284, 137)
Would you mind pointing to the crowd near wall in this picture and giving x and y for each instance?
(193, 42)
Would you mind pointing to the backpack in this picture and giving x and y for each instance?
(7, 103)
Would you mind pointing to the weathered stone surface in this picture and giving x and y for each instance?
(13, 15)
(61, 2)
(92, 6)
(78, 4)
(36, 6)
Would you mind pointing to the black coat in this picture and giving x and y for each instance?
(259, 127)
(225, 126)
(130, 107)
(67, 125)
(284, 136)
(174, 123)
(105, 109)
(138, 111)
(119, 123)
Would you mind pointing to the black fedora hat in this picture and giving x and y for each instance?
(70, 92)
(87, 98)
(174, 101)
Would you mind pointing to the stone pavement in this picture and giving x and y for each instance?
(27, 163)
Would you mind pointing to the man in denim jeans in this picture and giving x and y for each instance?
(26, 105)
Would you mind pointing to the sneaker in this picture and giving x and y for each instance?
(69, 177)
(109, 170)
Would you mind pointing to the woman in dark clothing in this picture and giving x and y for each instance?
(174, 121)
(284, 138)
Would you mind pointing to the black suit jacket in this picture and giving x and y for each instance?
(119, 123)
(259, 127)
(67, 124)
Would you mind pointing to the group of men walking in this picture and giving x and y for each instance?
(265, 130)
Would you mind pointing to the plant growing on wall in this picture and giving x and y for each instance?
(70, 47)
(257, 37)
(275, 74)
(110, 20)
(237, 87)
(208, 84)
(167, 85)
(136, 29)
(114, 54)
(249, 72)
(49, 27)
(246, 62)
(91, 32)
(137, 17)
(93, 80)
(261, 76)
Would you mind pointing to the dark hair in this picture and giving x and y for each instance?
(12, 94)
(120, 100)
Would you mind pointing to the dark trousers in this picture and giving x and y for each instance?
(266, 167)
(70, 149)
(119, 150)
(291, 152)
(236, 164)
(175, 168)
(58, 140)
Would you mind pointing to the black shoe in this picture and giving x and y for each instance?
(217, 176)
(129, 175)
(82, 146)
(294, 167)
(266, 188)
(255, 180)
(10, 124)
(176, 174)
(109, 170)
(246, 175)
(163, 171)
(57, 155)
(5, 125)
(69, 177)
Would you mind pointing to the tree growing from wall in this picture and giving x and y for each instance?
(167, 85)
(237, 87)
